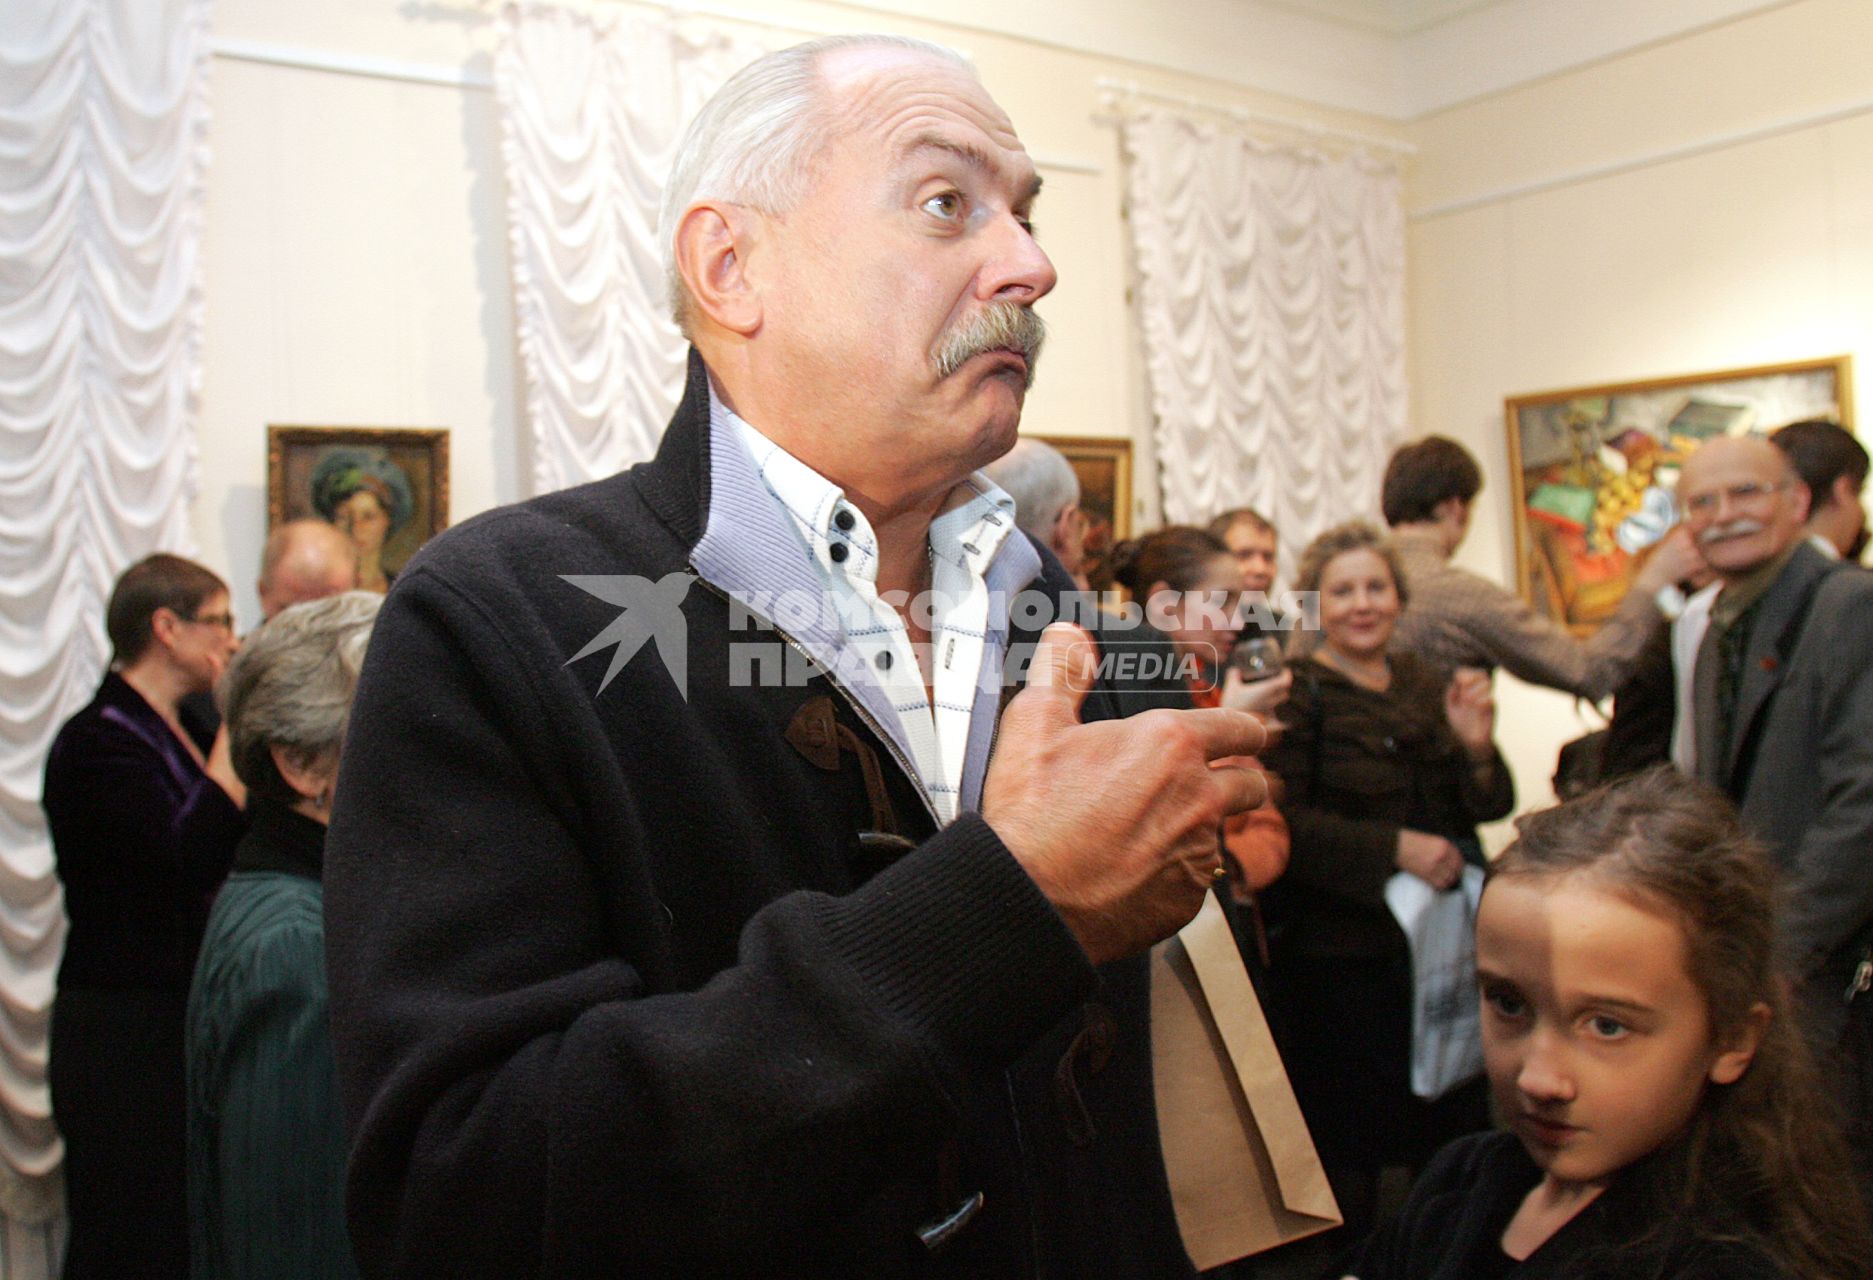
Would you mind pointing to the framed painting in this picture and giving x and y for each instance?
(1593, 469)
(1104, 467)
(386, 488)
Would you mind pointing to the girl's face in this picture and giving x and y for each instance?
(1597, 1042)
(1358, 602)
(1202, 621)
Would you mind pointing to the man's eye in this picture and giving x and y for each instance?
(948, 204)
(1606, 1028)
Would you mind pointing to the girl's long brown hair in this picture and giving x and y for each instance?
(1763, 1163)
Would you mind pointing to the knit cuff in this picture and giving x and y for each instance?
(959, 940)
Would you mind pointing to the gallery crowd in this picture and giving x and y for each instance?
(594, 959)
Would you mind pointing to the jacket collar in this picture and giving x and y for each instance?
(121, 704)
(278, 839)
(1763, 664)
(676, 482)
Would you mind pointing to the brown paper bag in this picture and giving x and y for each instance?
(1244, 1175)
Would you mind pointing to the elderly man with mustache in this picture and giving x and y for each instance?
(681, 920)
(1783, 709)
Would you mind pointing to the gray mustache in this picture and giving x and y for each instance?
(1000, 326)
(1735, 529)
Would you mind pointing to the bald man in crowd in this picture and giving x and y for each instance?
(302, 560)
(651, 959)
(1783, 709)
(305, 560)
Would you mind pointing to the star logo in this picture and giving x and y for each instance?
(652, 611)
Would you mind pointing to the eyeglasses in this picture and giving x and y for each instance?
(225, 621)
(1740, 495)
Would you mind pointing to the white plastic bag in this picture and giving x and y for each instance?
(1446, 1029)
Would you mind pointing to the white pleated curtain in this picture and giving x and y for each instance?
(591, 111)
(103, 157)
(1271, 297)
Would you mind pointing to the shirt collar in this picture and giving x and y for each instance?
(968, 532)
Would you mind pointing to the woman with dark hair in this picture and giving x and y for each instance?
(1188, 585)
(144, 819)
(1386, 770)
(266, 1138)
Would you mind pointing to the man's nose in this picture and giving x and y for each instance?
(1019, 269)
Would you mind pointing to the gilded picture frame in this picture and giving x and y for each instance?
(385, 487)
(1592, 468)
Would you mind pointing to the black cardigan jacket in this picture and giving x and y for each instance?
(617, 991)
(1357, 766)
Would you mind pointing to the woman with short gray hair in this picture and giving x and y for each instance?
(266, 1138)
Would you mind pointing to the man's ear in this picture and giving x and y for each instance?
(1804, 499)
(1062, 530)
(1729, 1066)
(713, 242)
(1843, 492)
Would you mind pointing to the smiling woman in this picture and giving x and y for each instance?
(1388, 770)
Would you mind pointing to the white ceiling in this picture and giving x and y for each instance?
(1392, 17)
(1396, 59)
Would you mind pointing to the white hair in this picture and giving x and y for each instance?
(755, 141)
(1040, 480)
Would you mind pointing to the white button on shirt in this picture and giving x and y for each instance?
(964, 538)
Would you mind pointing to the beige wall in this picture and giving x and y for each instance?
(356, 265)
(1707, 203)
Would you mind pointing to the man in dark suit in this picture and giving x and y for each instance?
(1783, 701)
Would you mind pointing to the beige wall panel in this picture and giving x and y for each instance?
(1750, 253)
(1780, 65)
(354, 276)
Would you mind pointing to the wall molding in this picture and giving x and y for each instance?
(1648, 160)
(301, 58)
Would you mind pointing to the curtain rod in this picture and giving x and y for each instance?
(1114, 92)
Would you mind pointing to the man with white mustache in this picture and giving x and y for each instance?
(1783, 708)
(717, 968)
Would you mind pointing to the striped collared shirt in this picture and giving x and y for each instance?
(965, 537)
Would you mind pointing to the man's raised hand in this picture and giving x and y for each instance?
(1116, 821)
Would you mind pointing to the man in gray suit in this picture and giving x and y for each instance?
(1783, 699)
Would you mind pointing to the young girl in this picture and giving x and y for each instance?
(1664, 1119)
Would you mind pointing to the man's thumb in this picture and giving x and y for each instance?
(1065, 662)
